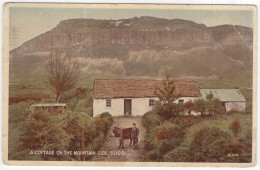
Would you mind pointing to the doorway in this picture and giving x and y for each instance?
(127, 107)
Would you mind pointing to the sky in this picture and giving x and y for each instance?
(29, 22)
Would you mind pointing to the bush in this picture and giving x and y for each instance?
(103, 121)
(43, 131)
(235, 126)
(200, 106)
(168, 110)
(94, 134)
(211, 145)
(168, 131)
(179, 154)
(214, 145)
(161, 139)
(215, 107)
(108, 116)
(151, 119)
(184, 121)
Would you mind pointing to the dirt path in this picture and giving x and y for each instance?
(110, 149)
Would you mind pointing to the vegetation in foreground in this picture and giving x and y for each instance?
(217, 136)
(56, 132)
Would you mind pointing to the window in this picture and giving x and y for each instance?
(151, 102)
(108, 102)
(181, 101)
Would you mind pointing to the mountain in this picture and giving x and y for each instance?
(141, 47)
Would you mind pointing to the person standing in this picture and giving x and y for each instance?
(121, 138)
(134, 134)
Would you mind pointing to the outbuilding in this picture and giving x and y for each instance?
(232, 99)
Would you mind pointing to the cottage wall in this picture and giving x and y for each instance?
(238, 106)
(139, 105)
(116, 109)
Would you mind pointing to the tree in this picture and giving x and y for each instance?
(167, 95)
(44, 131)
(167, 92)
(61, 72)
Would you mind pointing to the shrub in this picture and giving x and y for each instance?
(161, 139)
(168, 131)
(43, 131)
(103, 121)
(81, 92)
(200, 106)
(184, 121)
(214, 145)
(94, 132)
(211, 145)
(235, 126)
(215, 107)
(180, 154)
(168, 110)
(108, 116)
(151, 119)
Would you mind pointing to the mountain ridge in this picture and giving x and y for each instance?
(142, 46)
(78, 30)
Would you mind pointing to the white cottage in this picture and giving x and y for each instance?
(135, 96)
(232, 99)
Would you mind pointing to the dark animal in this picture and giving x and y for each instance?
(126, 134)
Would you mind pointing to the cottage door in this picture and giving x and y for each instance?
(127, 107)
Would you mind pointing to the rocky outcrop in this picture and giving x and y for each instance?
(158, 38)
(135, 31)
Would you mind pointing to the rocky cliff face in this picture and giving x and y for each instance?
(158, 38)
(136, 31)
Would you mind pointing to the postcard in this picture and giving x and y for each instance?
(129, 85)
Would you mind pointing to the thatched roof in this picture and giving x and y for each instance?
(139, 88)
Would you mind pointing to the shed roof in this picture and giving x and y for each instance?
(139, 88)
(48, 104)
(225, 95)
